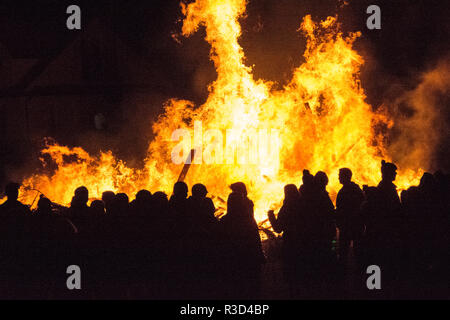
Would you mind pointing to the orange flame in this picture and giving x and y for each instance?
(321, 117)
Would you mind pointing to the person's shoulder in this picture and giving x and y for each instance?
(356, 187)
(19, 206)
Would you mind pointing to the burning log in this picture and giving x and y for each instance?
(58, 207)
(187, 165)
(269, 233)
(221, 214)
(220, 199)
(267, 230)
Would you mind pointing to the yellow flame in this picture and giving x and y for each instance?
(321, 116)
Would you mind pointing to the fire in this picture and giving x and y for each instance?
(321, 117)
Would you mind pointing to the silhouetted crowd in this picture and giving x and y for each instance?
(177, 248)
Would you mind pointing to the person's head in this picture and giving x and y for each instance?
(81, 195)
(98, 206)
(122, 198)
(239, 187)
(290, 192)
(120, 204)
(199, 191)
(388, 171)
(160, 196)
(235, 204)
(345, 176)
(44, 205)
(12, 190)
(108, 197)
(427, 182)
(321, 180)
(408, 196)
(307, 177)
(180, 190)
(143, 196)
(159, 200)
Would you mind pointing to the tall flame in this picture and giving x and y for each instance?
(321, 117)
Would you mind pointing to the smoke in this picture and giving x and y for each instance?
(421, 131)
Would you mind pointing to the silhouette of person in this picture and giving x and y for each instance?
(120, 209)
(389, 225)
(141, 206)
(323, 207)
(44, 206)
(179, 210)
(240, 212)
(80, 215)
(443, 185)
(241, 223)
(179, 231)
(288, 221)
(389, 206)
(431, 202)
(201, 209)
(15, 237)
(308, 183)
(243, 249)
(52, 236)
(161, 221)
(108, 199)
(57, 224)
(387, 190)
(369, 213)
(178, 199)
(348, 214)
(143, 195)
(98, 208)
(434, 223)
(306, 218)
(79, 212)
(121, 205)
(12, 207)
(160, 204)
(319, 210)
(202, 239)
(119, 238)
(160, 248)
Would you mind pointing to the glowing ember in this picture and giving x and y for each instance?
(321, 117)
